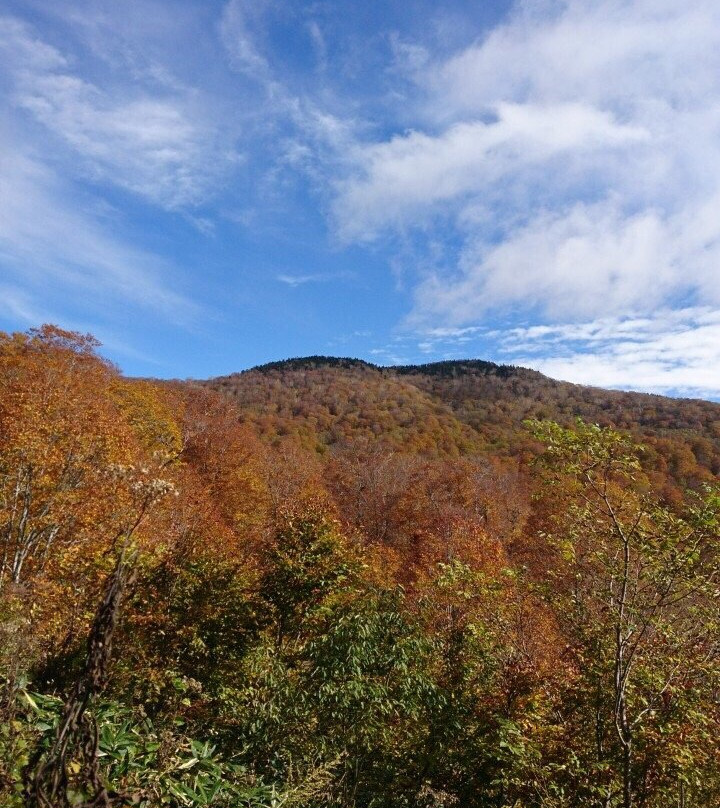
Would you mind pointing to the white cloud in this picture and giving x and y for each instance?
(301, 136)
(674, 351)
(319, 44)
(16, 304)
(585, 261)
(300, 280)
(452, 333)
(64, 249)
(316, 277)
(238, 32)
(155, 144)
(407, 175)
(18, 42)
(574, 152)
(631, 55)
(388, 356)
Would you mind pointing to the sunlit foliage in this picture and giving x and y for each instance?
(325, 584)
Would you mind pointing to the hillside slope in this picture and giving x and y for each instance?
(325, 403)
(463, 407)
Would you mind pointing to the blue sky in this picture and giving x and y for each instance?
(206, 186)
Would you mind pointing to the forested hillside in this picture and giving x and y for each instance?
(324, 583)
(458, 408)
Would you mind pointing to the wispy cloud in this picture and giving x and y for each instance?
(18, 305)
(49, 239)
(317, 277)
(155, 144)
(239, 33)
(66, 252)
(671, 351)
(453, 333)
(583, 261)
(388, 356)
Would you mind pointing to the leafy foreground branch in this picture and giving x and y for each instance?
(145, 766)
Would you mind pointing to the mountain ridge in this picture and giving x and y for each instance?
(444, 367)
(462, 407)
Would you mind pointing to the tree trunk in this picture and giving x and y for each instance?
(46, 775)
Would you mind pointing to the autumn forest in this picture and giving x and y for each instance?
(322, 583)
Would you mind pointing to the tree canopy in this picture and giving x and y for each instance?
(310, 589)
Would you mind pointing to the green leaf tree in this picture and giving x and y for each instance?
(635, 588)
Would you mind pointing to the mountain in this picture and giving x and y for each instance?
(463, 407)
